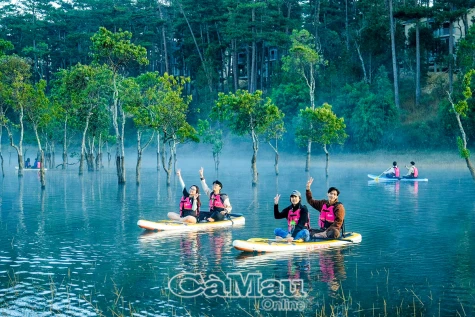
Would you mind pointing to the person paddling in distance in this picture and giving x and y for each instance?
(332, 213)
(412, 171)
(219, 205)
(392, 172)
(297, 219)
(189, 203)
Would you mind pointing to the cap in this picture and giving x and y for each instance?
(296, 193)
(412, 163)
(394, 163)
(219, 183)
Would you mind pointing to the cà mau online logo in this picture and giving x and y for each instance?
(234, 285)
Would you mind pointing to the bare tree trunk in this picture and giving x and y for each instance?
(203, 62)
(317, 23)
(117, 111)
(327, 158)
(216, 161)
(42, 170)
(164, 164)
(363, 67)
(463, 139)
(83, 145)
(393, 53)
(158, 151)
(451, 57)
(418, 66)
(42, 158)
(347, 32)
(253, 76)
(138, 166)
(164, 39)
(276, 158)
(309, 151)
(235, 65)
(65, 144)
(255, 148)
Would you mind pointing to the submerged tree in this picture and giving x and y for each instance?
(273, 135)
(213, 137)
(117, 51)
(37, 113)
(138, 95)
(15, 73)
(322, 126)
(168, 108)
(460, 110)
(304, 59)
(247, 113)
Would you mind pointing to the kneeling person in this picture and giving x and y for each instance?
(332, 213)
(297, 218)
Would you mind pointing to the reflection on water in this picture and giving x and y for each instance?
(75, 248)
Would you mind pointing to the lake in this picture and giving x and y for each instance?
(74, 249)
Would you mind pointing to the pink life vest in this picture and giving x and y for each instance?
(293, 218)
(327, 216)
(216, 203)
(416, 172)
(396, 171)
(186, 207)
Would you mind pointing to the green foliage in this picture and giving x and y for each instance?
(464, 152)
(370, 111)
(5, 46)
(245, 113)
(290, 96)
(211, 136)
(157, 102)
(116, 49)
(320, 125)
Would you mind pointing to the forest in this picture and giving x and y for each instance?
(94, 77)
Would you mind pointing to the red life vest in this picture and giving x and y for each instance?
(186, 207)
(327, 216)
(396, 171)
(293, 218)
(216, 202)
(416, 172)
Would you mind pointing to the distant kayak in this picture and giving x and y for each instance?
(393, 179)
(172, 225)
(30, 169)
(273, 245)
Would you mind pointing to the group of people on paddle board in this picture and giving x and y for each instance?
(393, 172)
(330, 222)
(219, 205)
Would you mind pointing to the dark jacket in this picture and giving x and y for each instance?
(339, 209)
(285, 212)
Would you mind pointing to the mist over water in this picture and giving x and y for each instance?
(75, 248)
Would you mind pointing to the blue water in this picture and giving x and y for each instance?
(74, 249)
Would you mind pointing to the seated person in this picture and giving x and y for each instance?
(412, 171)
(297, 219)
(392, 172)
(219, 205)
(332, 213)
(189, 203)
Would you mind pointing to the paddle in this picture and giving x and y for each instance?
(377, 177)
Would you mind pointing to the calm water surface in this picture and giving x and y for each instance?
(74, 249)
